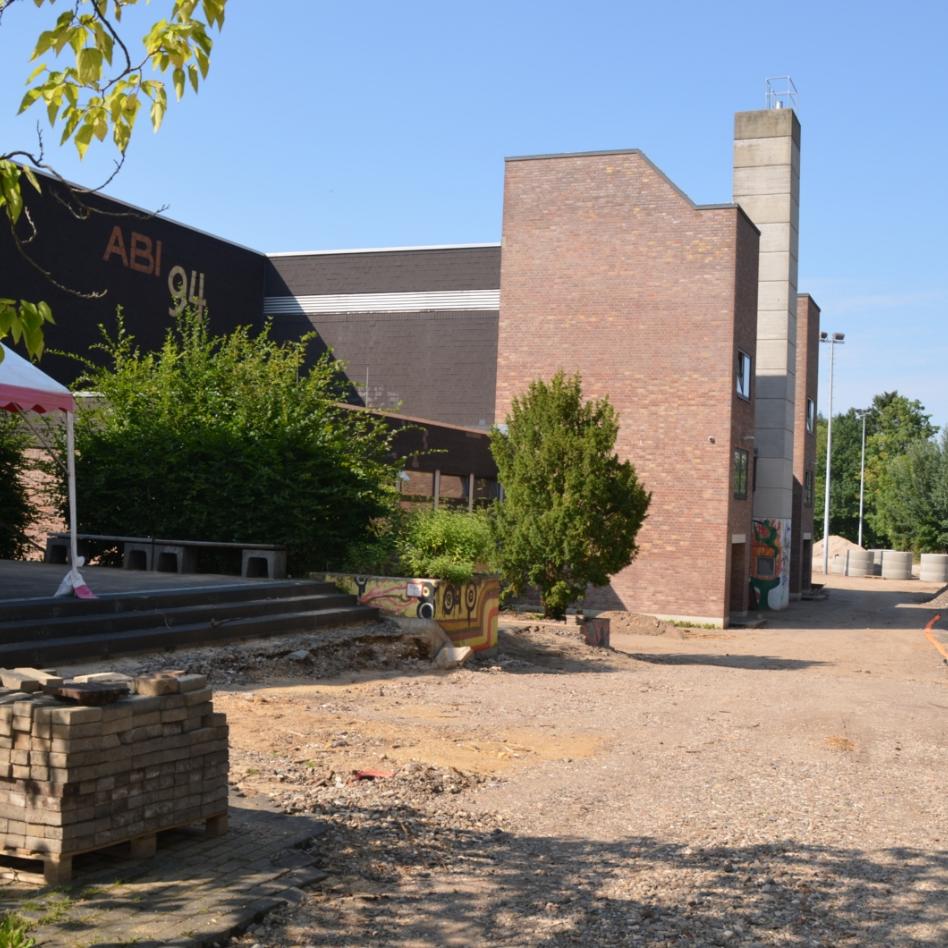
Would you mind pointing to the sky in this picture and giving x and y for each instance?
(328, 125)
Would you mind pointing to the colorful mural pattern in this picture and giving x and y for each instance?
(466, 611)
(770, 564)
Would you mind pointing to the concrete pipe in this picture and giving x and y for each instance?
(859, 563)
(877, 562)
(896, 565)
(934, 568)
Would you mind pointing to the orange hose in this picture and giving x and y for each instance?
(931, 638)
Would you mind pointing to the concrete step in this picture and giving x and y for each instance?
(89, 647)
(194, 611)
(47, 608)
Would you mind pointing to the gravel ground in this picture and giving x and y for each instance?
(776, 786)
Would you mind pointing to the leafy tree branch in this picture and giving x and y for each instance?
(93, 83)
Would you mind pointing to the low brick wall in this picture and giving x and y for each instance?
(74, 778)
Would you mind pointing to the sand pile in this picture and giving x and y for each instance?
(838, 547)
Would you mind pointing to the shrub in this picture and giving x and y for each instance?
(439, 544)
(446, 544)
(229, 438)
(571, 508)
(16, 511)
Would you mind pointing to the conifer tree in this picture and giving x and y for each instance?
(571, 509)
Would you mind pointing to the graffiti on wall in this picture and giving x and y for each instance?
(466, 611)
(770, 564)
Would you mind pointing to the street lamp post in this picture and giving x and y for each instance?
(832, 341)
(862, 472)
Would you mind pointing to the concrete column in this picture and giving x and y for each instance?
(767, 186)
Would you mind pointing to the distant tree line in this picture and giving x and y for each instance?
(906, 477)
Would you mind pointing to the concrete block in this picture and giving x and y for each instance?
(452, 656)
(16, 680)
(767, 123)
(45, 679)
(140, 704)
(773, 443)
(754, 152)
(263, 564)
(763, 179)
(779, 237)
(174, 558)
(188, 683)
(157, 685)
(773, 502)
(71, 716)
(772, 356)
(775, 295)
(778, 265)
(105, 678)
(138, 556)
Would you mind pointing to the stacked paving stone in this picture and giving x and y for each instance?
(77, 778)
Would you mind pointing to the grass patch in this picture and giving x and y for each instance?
(15, 931)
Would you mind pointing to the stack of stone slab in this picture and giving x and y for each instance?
(78, 778)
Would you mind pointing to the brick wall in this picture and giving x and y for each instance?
(608, 269)
(804, 442)
(39, 486)
(430, 365)
(740, 517)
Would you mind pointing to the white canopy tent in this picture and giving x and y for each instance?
(24, 388)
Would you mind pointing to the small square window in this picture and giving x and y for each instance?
(740, 473)
(743, 374)
(810, 415)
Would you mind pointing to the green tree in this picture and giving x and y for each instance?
(893, 423)
(96, 94)
(16, 511)
(844, 485)
(571, 509)
(912, 503)
(229, 438)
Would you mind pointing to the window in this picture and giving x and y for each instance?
(808, 487)
(743, 374)
(810, 415)
(740, 473)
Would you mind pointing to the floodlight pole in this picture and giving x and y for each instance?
(832, 341)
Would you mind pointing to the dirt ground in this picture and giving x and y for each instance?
(782, 785)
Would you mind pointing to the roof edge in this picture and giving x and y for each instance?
(644, 157)
(313, 253)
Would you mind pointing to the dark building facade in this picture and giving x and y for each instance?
(415, 327)
(89, 254)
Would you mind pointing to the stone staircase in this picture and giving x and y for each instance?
(44, 632)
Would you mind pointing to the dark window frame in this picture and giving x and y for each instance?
(740, 474)
(744, 375)
(810, 415)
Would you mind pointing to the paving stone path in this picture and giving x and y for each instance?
(196, 890)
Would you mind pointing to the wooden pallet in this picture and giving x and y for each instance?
(57, 867)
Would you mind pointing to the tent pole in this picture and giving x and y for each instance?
(71, 473)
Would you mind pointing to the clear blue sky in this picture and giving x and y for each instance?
(355, 124)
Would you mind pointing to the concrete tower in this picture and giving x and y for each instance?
(767, 187)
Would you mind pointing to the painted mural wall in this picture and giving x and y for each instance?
(467, 612)
(770, 564)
